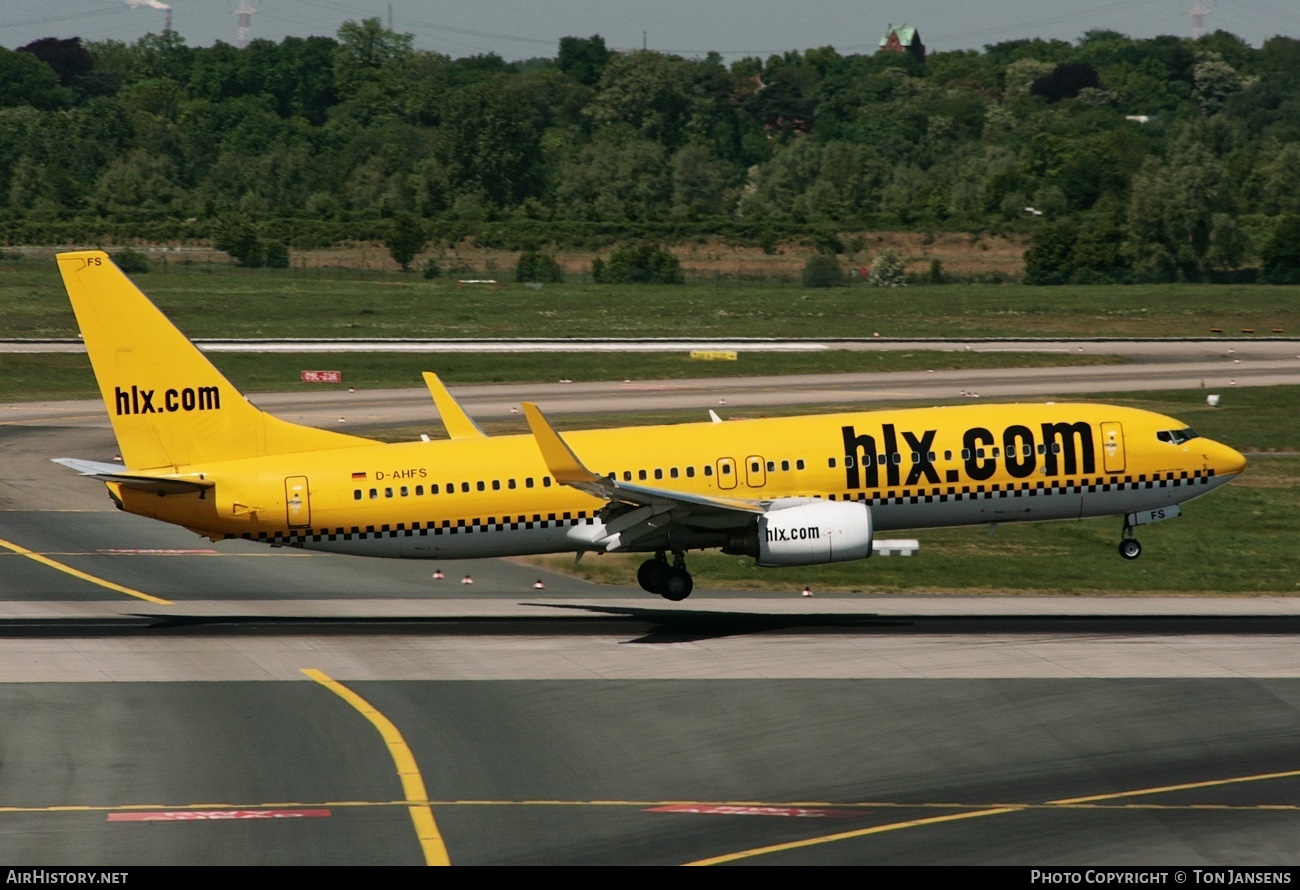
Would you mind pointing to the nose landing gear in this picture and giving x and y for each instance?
(1129, 547)
(672, 582)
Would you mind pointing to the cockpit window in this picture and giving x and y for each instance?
(1177, 437)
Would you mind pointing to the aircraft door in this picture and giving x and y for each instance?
(1112, 446)
(726, 472)
(755, 475)
(297, 501)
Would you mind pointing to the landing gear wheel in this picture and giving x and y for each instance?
(653, 574)
(678, 585)
(1129, 548)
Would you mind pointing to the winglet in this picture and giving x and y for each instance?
(459, 424)
(560, 459)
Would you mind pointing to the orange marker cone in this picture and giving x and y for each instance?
(467, 580)
(807, 591)
(538, 585)
(437, 575)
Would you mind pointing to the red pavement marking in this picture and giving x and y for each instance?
(204, 552)
(213, 815)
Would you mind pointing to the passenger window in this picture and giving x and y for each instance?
(496, 484)
(546, 482)
(771, 465)
(659, 474)
(464, 486)
(690, 472)
(406, 492)
(433, 489)
(419, 490)
(627, 475)
(798, 465)
(528, 483)
(831, 463)
(785, 466)
(726, 469)
(708, 471)
(388, 492)
(356, 495)
(947, 455)
(641, 474)
(374, 493)
(481, 485)
(510, 484)
(673, 473)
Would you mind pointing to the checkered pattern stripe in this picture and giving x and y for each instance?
(935, 495)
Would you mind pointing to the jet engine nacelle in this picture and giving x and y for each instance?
(810, 534)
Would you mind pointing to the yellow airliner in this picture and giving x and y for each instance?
(787, 491)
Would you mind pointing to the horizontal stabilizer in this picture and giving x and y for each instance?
(114, 473)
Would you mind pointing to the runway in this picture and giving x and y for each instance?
(335, 407)
(169, 701)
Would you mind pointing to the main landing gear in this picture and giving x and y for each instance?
(1129, 548)
(672, 582)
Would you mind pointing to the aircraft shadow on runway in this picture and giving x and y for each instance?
(649, 625)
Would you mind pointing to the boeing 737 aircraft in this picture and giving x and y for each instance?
(787, 491)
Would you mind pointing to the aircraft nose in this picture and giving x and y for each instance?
(1227, 461)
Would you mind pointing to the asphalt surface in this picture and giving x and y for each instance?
(147, 674)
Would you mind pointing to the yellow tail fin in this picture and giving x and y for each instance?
(169, 406)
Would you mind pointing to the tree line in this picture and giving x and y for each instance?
(1127, 159)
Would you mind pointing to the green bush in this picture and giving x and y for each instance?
(431, 269)
(133, 262)
(405, 238)
(240, 237)
(887, 271)
(1280, 258)
(640, 264)
(1050, 258)
(275, 254)
(823, 270)
(537, 266)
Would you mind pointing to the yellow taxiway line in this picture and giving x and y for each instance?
(69, 570)
(426, 829)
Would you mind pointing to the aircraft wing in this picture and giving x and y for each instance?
(139, 481)
(636, 511)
